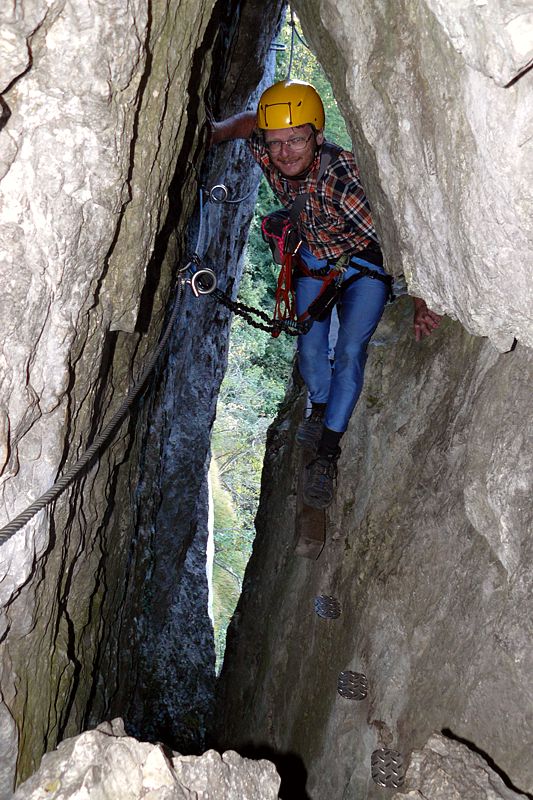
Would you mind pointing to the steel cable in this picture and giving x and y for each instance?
(103, 438)
(293, 26)
(241, 199)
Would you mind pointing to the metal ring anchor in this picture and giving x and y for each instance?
(204, 281)
(218, 193)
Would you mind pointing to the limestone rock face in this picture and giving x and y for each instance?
(428, 553)
(101, 142)
(439, 101)
(447, 770)
(88, 152)
(106, 764)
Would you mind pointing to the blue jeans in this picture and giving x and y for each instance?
(359, 312)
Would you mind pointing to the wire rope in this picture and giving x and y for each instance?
(293, 25)
(100, 441)
(301, 39)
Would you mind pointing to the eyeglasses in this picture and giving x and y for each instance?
(297, 143)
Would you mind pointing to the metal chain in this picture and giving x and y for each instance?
(272, 326)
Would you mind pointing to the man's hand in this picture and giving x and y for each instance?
(424, 320)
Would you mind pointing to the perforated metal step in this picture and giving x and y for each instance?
(388, 768)
(327, 607)
(352, 685)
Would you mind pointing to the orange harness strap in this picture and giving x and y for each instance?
(285, 307)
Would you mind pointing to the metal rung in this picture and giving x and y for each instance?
(327, 607)
(387, 768)
(352, 685)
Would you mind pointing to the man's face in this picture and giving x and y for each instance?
(289, 160)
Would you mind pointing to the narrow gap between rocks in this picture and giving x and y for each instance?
(428, 546)
(257, 375)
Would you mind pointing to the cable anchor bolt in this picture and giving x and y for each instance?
(218, 193)
(204, 281)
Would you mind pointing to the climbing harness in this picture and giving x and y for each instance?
(279, 230)
(334, 286)
(282, 237)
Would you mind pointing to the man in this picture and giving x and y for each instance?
(335, 226)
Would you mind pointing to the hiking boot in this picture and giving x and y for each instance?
(310, 430)
(320, 476)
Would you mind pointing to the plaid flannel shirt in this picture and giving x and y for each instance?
(336, 218)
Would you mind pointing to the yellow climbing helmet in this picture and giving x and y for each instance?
(287, 104)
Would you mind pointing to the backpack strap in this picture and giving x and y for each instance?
(297, 207)
(329, 152)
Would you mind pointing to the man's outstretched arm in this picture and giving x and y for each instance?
(240, 126)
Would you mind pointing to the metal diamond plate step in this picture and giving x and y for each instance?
(352, 685)
(388, 768)
(327, 607)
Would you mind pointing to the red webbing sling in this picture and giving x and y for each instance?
(285, 306)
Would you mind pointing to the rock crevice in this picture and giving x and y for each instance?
(102, 146)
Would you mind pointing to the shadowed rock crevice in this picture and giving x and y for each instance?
(491, 763)
(428, 546)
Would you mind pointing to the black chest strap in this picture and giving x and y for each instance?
(328, 153)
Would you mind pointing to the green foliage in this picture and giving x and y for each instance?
(233, 545)
(254, 385)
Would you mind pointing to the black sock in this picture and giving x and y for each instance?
(329, 444)
(318, 409)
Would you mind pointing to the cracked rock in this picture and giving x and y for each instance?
(448, 770)
(106, 764)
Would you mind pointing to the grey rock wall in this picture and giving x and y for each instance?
(447, 770)
(439, 98)
(106, 764)
(102, 108)
(428, 553)
(102, 132)
(87, 153)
